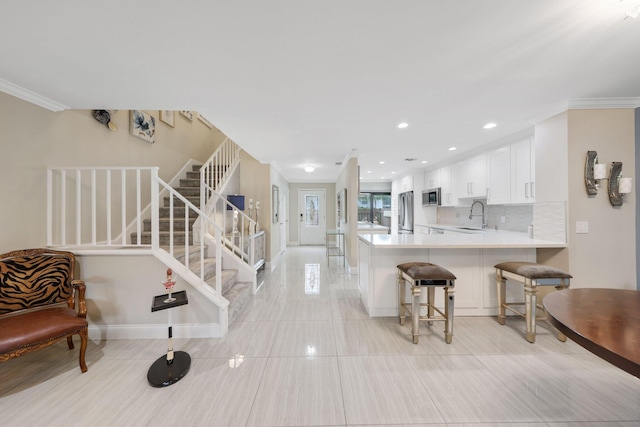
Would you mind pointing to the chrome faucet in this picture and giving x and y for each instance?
(471, 215)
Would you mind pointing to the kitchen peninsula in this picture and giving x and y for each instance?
(468, 254)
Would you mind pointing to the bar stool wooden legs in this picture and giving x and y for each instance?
(419, 275)
(531, 275)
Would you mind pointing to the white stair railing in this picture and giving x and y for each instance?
(217, 169)
(88, 207)
(239, 237)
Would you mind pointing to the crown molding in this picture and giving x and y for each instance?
(29, 96)
(584, 104)
(602, 103)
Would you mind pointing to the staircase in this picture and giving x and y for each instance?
(103, 210)
(237, 293)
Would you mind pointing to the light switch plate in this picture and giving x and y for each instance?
(582, 227)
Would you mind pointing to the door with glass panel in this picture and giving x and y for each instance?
(312, 216)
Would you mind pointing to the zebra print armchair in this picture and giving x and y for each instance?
(38, 298)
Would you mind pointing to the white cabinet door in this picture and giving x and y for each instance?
(472, 177)
(499, 175)
(448, 192)
(523, 172)
(432, 179)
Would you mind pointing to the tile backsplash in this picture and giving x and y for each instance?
(516, 218)
(548, 218)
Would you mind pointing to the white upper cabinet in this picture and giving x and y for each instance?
(432, 179)
(448, 178)
(472, 177)
(499, 176)
(523, 172)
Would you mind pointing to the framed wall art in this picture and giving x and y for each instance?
(187, 114)
(142, 125)
(275, 204)
(206, 122)
(168, 117)
(341, 205)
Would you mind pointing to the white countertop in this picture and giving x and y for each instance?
(484, 239)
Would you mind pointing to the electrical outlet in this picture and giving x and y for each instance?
(582, 227)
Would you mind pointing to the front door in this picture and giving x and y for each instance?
(312, 216)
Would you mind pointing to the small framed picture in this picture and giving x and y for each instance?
(187, 113)
(142, 125)
(206, 122)
(168, 117)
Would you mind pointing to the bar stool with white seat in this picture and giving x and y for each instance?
(531, 275)
(419, 275)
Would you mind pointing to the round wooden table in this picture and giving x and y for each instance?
(604, 321)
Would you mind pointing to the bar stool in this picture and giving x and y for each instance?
(531, 275)
(419, 275)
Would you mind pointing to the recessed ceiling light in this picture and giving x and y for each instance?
(403, 125)
(423, 162)
(368, 171)
(381, 162)
(452, 148)
(309, 169)
(489, 126)
(392, 173)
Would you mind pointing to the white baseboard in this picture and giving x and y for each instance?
(127, 332)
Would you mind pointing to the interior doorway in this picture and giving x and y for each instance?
(312, 209)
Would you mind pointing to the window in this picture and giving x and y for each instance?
(375, 208)
(312, 217)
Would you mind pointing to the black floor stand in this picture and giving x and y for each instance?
(173, 366)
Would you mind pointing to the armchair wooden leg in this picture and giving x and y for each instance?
(70, 342)
(84, 335)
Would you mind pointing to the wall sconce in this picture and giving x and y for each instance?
(594, 172)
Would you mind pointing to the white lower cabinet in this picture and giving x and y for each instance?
(475, 290)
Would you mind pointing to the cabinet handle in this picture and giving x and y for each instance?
(488, 194)
(533, 190)
(471, 186)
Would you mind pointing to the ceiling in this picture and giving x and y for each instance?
(313, 82)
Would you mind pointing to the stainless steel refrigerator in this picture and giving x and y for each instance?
(405, 213)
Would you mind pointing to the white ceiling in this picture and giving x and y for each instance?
(307, 82)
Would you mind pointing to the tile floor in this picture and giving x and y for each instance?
(317, 359)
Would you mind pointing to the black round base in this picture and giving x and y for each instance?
(162, 374)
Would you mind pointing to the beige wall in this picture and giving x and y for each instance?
(605, 257)
(119, 288)
(349, 179)
(255, 184)
(34, 138)
(278, 231)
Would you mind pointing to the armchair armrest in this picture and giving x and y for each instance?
(80, 287)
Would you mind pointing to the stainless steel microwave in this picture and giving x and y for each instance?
(431, 197)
